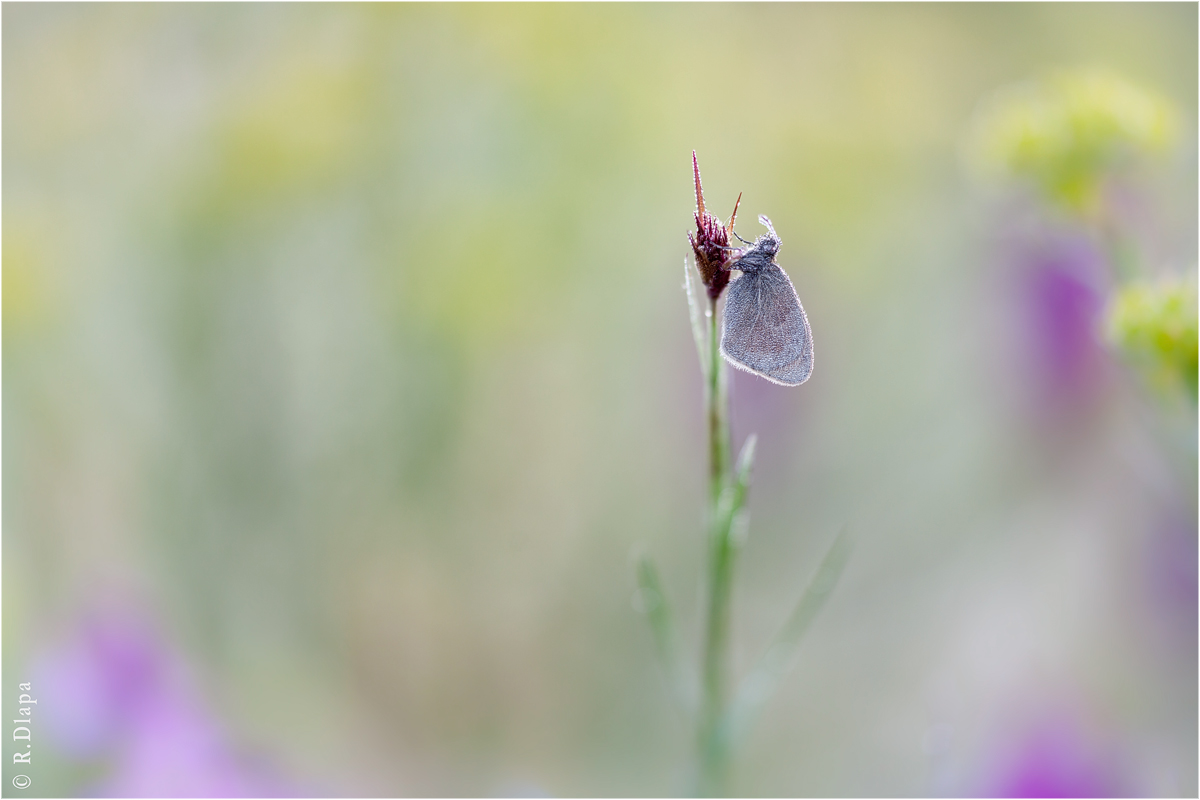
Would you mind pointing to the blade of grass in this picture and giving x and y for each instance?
(781, 655)
(730, 510)
(714, 755)
(662, 626)
(696, 315)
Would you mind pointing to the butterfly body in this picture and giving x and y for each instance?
(765, 330)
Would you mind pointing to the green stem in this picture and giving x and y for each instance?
(713, 752)
(718, 434)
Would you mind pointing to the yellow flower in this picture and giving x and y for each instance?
(1155, 326)
(1067, 132)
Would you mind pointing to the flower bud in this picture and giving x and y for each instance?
(710, 243)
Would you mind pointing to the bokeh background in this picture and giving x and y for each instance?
(346, 362)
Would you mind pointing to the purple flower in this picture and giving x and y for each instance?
(1058, 757)
(114, 693)
(1062, 308)
(97, 685)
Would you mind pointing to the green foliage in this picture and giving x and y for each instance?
(1154, 325)
(1066, 133)
(781, 654)
(652, 601)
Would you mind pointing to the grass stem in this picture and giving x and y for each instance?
(713, 753)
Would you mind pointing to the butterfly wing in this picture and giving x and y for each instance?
(765, 330)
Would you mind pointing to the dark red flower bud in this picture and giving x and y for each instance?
(710, 243)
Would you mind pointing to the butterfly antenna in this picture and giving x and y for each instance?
(762, 218)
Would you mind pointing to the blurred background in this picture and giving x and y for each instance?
(346, 361)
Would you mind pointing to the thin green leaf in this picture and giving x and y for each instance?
(780, 657)
(653, 603)
(690, 279)
(732, 519)
(745, 462)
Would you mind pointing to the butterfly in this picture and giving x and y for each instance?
(765, 330)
